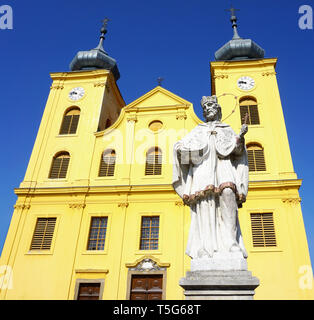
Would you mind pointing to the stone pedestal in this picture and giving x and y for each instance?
(219, 285)
(220, 261)
(223, 277)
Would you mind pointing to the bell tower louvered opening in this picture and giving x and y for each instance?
(248, 105)
(70, 121)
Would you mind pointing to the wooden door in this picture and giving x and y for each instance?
(88, 291)
(146, 287)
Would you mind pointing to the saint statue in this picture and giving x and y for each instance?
(210, 174)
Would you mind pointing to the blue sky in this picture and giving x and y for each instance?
(149, 39)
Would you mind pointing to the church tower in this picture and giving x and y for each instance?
(246, 86)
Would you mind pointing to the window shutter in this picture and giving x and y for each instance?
(243, 111)
(263, 230)
(256, 158)
(254, 116)
(43, 234)
(153, 163)
(249, 106)
(65, 125)
(107, 164)
(59, 166)
(74, 124)
(70, 122)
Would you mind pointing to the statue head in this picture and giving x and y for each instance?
(211, 108)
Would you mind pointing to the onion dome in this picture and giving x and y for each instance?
(238, 48)
(96, 58)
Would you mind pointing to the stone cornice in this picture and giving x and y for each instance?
(90, 270)
(89, 75)
(275, 184)
(253, 185)
(159, 108)
(243, 63)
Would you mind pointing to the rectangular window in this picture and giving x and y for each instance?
(88, 291)
(149, 233)
(263, 230)
(97, 233)
(43, 234)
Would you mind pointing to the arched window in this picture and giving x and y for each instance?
(153, 162)
(59, 166)
(256, 157)
(248, 105)
(107, 163)
(70, 121)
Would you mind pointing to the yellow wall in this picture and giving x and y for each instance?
(130, 194)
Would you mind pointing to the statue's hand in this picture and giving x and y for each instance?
(244, 130)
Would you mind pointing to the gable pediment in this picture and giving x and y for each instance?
(158, 97)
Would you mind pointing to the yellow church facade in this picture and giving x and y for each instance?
(97, 217)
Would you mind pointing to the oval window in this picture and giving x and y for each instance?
(155, 125)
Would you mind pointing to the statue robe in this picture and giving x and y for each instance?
(206, 161)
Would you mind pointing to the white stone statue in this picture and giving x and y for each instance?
(210, 174)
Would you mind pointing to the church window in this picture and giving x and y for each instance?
(155, 125)
(59, 165)
(107, 163)
(149, 233)
(97, 233)
(43, 234)
(256, 158)
(263, 230)
(248, 105)
(70, 121)
(153, 162)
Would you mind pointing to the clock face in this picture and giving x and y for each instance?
(246, 83)
(76, 93)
